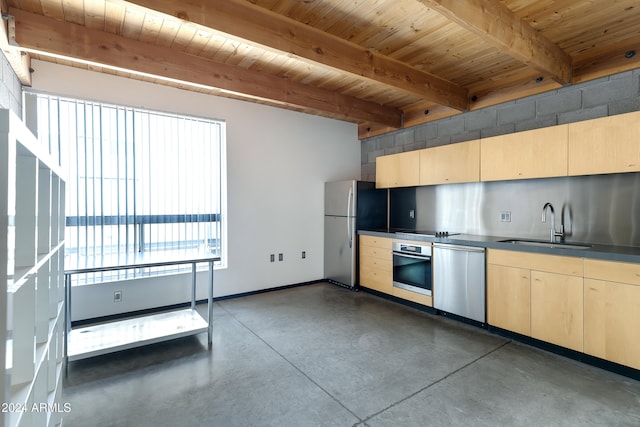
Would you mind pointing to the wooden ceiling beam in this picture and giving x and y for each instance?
(251, 23)
(414, 115)
(498, 25)
(625, 56)
(20, 61)
(43, 35)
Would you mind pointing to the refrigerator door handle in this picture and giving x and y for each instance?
(349, 214)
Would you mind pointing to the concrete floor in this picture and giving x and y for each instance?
(320, 355)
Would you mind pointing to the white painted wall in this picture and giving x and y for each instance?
(277, 163)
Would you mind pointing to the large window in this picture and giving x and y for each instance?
(138, 180)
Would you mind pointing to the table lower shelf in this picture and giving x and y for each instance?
(94, 340)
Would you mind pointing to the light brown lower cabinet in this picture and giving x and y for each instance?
(509, 298)
(557, 309)
(376, 263)
(587, 305)
(536, 295)
(376, 269)
(612, 311)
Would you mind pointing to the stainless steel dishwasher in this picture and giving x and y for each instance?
(459, 280)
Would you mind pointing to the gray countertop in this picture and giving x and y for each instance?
(596, 251)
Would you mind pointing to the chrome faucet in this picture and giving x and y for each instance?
(553, 233)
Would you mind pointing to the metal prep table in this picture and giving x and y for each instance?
(103, 338)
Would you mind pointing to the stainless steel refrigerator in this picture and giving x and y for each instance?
(348, 207)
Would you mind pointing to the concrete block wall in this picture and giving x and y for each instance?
(10, 88)
(608, 96)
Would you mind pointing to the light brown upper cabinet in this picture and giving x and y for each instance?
(398, 170)
(450, 164)
(537, 153)
(606, 145)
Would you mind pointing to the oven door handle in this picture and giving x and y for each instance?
(420, 257)
(412, 288)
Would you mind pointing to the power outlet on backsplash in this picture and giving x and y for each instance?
(505, 216)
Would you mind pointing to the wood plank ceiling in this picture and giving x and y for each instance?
(384, 64)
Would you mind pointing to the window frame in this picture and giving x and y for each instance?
(140, 222)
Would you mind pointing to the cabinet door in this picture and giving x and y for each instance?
(612, 271)
(450, 164)
(611, 319)
(536, 153)
(509, 298)
(557, 309)
(398, 170)
(606, 145)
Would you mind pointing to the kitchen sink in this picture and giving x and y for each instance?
(546, 244)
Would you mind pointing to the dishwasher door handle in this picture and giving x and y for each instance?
(458, 247)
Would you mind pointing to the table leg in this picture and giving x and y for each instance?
(210, 303)
(193, 286)
(67, 320)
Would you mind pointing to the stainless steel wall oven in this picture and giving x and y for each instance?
(412, 267)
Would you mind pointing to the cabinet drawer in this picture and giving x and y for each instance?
(378, 242)
(380, 280)
(571, 266)
(412, 296)
(373, 262)
(375, 252)
(622, 272)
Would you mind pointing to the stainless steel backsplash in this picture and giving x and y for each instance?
(602, 209)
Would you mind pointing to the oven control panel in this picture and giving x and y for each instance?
(412, 248)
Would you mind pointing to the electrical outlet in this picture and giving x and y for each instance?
(272, 257)
(412, 213)
(280, 257)
(117, 296)
(304, 254)
(505, 216)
